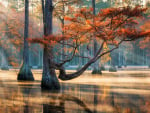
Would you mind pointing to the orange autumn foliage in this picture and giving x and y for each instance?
(145, 43)
(112, 26)
(50, 39)
(108, 24)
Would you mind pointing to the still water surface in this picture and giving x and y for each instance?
(117, 97)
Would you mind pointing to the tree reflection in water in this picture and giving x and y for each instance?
(57, 105)
(27, 97)
(51, 108)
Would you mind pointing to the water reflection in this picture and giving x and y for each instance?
(60, 108)
(27, 97)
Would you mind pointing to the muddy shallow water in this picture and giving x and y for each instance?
(111, 94)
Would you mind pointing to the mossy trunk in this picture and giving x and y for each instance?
(25, 71)
(49, 79)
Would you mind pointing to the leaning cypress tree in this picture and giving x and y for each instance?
(113, 26)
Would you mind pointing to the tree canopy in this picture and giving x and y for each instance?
(111, 27)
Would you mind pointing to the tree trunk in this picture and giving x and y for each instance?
(96, 68)
(25, 71)
(49, 79)
(63, 23)
(4, 62)
(112, 67)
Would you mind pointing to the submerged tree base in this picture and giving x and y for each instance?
(4, 68)
(97, 71)
(112, 69)
(50, 83)
(102, 68)
(25, 73)
(119, 66)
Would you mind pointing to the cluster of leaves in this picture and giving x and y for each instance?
(50, 39)
(145, 43)
(110, 25)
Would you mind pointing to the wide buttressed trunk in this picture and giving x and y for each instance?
(49, 79)
(25, 71)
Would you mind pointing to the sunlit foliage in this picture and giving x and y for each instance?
(111, 26)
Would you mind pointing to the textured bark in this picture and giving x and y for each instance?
(25, 71)
(49, 79)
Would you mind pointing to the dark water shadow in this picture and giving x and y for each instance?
(60, 108)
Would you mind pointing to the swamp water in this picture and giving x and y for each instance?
(128, 96)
